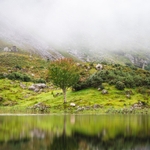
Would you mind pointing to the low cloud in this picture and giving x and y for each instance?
(92, 24)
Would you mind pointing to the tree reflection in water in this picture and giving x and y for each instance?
(75, 133)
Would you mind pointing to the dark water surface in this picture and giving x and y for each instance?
(74, 132)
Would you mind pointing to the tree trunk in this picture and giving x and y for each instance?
(64, 93)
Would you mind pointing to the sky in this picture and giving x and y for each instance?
(93, 24)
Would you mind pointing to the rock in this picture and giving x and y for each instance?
(40, 85)
(14, 49)
(37, 87)
(36, 90)
(104, 91)
(129, 92)
(72, 104)
(6, 49)
(138, 105)
(40, 106)
(99, 89)
(96, 106)
(32, 87)
(22, 86)
(80, 108)
(99, 66)
(78, 64)
(128, 96)
(87, 107)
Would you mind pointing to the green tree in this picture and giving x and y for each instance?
(63, 73)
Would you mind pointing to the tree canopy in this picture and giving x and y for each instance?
(63, 73)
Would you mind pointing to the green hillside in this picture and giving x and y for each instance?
(18, 71)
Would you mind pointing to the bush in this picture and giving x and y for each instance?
(18, 76)
(120, 85)
(2, 76)
(94, 81)
(40, 80)
(129, 82)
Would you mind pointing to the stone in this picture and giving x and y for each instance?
(104, 91)
(37, 87)
(80, 108)
(128, 96)
(32, 87)
(138, 105)
(22, 86)
(99, 66)
(96, 106)
(14, 49)
(36, 90)
(72, 104)
(6, 49)
(40, 85)
(99, 89)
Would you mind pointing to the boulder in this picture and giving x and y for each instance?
(104, 91)
(37, 87)
(40, 85)
(6, 49)
(41, 106)
(99, 66)
(80, 108)
(32, 87)
(72, 104)
(138, 105)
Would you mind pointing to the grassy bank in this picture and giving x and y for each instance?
(14, 99)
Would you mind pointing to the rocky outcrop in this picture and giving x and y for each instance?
(12, 49)
(137, 61)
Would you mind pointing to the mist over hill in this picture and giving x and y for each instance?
(95, 30)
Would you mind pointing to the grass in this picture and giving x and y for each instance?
(15, 99)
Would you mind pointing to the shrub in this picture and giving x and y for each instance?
(2, 76)
(129, 82)
(120, 85)
(18, 76)
(94, 81)
(40, 80)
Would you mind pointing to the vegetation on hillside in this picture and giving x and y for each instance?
(125, 86)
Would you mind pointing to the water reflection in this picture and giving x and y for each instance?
(75, 132)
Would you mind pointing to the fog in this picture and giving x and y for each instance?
(67, 24)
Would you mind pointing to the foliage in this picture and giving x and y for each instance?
(19, 76)
(130, 77)
(2, 76)
(40, 80)
(120, 85)
(63, 73)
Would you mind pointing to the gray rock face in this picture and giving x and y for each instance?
(137, 61)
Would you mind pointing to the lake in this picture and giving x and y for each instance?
(74, 132)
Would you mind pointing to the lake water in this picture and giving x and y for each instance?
(74, 132)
